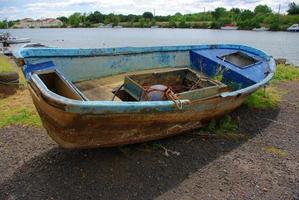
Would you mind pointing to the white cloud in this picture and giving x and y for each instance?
(55, 8)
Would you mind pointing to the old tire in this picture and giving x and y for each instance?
(8, 77)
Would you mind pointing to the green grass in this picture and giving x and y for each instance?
(276, 151)
(18, 109)
(286, 73)
(271, 96)
(264, 98)
(21, 116)
(6, 64)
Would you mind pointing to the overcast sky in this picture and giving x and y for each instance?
(17, 9)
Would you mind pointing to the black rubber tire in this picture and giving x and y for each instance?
(9, 77)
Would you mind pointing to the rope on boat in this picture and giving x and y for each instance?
(167, 94)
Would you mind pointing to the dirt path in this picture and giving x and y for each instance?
(266, 166)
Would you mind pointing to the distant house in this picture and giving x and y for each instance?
(39, 23)
(24, 23)
(50, 22)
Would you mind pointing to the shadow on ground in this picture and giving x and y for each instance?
(132, 172)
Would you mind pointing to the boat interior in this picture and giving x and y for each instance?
(209, 73)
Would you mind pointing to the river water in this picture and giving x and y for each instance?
(277, 44)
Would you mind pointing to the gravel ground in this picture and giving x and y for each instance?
(265, 165)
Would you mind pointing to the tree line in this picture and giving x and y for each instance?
(245, 19)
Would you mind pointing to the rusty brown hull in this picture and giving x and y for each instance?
(71, 130)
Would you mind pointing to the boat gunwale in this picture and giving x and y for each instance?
(90, 52)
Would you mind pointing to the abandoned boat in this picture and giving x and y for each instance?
(91, 98)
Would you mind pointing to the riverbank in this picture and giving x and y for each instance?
(244, 19)
(188, 25)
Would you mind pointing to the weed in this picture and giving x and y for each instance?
(226, 124)
(276, 151)
(224, 128)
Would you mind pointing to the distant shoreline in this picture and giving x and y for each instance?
(143, 28)
(128, 27)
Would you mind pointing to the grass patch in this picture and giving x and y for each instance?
(270, 97)
(225, 124)
(276, 151)
(265, 98)
(18, 109)
(6, 64)
(225, 128)
(286, 73)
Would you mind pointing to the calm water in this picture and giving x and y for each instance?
(277, 44)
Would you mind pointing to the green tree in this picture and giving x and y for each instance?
(131, 18)
(235, 11)
(182, 23)
(95, 17)
(248, 24)
(2, 25)
(153, 22)
(63, 19)
(246, 15)
(235, 14)
(274, 22)
(75, 19)
(11, 24)
(218, 12)
(141, 22)
(148, 15)
(216, 25)
(115, 20)
(172, 22)
(6, 24)
(112, 19)
(293, 9)
(262, 9)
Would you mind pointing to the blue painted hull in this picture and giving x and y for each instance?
(80, 123)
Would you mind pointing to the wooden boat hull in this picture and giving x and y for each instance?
(75, 120)
(90, 131)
